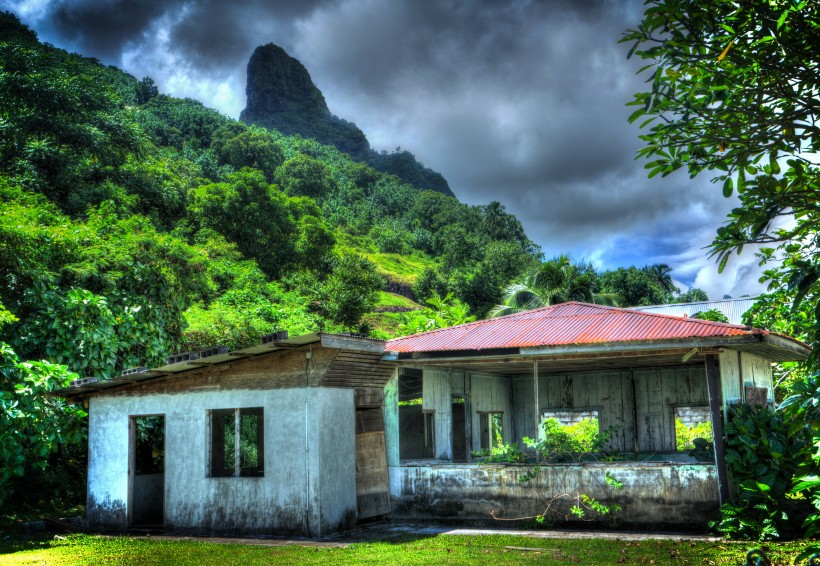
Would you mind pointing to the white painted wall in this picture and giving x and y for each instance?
(309, 485)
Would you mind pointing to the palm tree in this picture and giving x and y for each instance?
(660, 273)
(555, 281)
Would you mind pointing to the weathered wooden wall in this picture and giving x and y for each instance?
(491, 393)
(757, 371)
(437, 397)
(482, 392)
(635, 405)
(656, 394)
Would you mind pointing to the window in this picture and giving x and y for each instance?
(491, 430)
(237, 447)
(571, 430)
(417, 430)
(691, 422)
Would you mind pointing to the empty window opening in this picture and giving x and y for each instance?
(237, 442)
(571, 431)
(417, 437)
(492, 433)
(691, 422)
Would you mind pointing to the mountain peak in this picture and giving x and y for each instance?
(282, 96)
(277, 82)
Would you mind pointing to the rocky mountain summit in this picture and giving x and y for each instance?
(282, 96)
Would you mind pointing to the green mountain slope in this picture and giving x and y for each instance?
(135, 224)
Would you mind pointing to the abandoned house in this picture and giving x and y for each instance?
(285, 437)
(308, 435)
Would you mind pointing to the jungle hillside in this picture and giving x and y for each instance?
(134, 225)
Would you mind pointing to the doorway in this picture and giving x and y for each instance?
(459, 434)
(146, 470)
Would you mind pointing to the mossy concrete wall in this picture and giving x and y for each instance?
(653, 493)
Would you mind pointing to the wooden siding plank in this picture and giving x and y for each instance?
(281, 369)
(372, 482)
(757, 372)
(730, 386)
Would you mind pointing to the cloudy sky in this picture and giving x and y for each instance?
(520, 101)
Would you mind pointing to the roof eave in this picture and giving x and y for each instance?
(790, 349)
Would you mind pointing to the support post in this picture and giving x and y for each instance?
(712, 384)
(535, 395)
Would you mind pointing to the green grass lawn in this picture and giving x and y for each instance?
(442, 549)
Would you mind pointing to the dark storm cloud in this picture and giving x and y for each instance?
(103, 28)
(212, 33)
(520, 101)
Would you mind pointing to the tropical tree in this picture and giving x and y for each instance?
(554, 281)
(693, 295)
(634, 287)
(733, 92)
(661, 274)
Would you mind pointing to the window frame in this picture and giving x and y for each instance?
(489, 439)
(216, 462)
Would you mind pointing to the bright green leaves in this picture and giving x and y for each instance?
(716, 89)
(33, 424)
(241, 146)
(278, 231)
(350, 292)
(306, 176)
(764, 453)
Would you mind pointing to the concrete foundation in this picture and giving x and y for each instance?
(652, 493)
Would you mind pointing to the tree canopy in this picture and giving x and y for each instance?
(733, 92)
(733, 89)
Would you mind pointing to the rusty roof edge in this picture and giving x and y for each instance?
(642, 345)
(599, 348)
(602, 308)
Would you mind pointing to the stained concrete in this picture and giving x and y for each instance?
(652, 493)
(309, 482)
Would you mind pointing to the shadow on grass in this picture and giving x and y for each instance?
(18, 540)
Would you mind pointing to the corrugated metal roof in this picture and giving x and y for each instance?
(734, 309)
(564, 324)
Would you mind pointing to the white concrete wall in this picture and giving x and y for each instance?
(304, 491)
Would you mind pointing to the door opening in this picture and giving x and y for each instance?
(459, 435)
(146, 501)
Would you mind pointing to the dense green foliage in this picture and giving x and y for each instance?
(733, 94)
(34, 428)
(134, 225)
(764, 453)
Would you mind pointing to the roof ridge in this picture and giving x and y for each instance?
(603, 308)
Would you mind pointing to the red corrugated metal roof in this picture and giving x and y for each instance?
(564, 324)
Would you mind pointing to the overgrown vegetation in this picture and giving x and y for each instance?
(732, 95)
